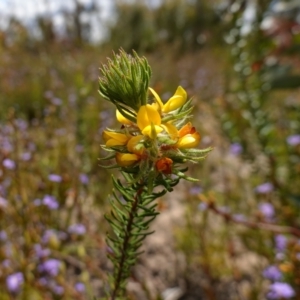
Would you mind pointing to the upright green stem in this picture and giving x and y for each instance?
(128, 234)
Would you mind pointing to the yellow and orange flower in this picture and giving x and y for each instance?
(114, 138)
(149, 120)
(122, 119)
(188, 137)
(135, 145)
(175, 102)
(126, 159)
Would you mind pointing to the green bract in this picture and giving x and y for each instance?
(124, 81)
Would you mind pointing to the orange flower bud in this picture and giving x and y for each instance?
(164, 165)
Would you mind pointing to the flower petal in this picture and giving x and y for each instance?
(122, 119)
(186, 129)
(171, 130)
(176, 101)
(189, 141)
(157, 98)
(146, 115)
(149, 132)
(126, 159)
(114, 138)
(135, 145)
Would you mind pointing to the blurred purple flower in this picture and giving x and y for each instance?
(9, 164)
(14, 282)
(31, 147)
(80, 287)
(60, 131)
(37, 202)
(6, 145)
(293, 140)
(79, 148)
(84, 179)
(26, 156)
(298, 256)
(40, 251)
(6, 263)
(3, 235)
(48, 94)
(239, 217)
(50, 267)
(21, 124)
(280, 290)
(272, 273)
(280, 242)
(264, 188)
(56, 101)
(43, 281)
(48, 234)
(267, 210)
(55, 178)
(78, 229)
(236, 149)
(195, 190)
(3, 202)
(202, 206)
(58, 289)
(50, 202)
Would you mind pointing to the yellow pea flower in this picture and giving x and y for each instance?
(114, 138)
(147, 119)
(122, 119)
(171, 130)
(188, 137)
(126, 159)
(189, 141)
(176, 101)
(135, 145)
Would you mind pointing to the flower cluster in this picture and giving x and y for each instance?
(160, 138)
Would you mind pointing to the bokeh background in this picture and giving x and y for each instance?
(235, 234)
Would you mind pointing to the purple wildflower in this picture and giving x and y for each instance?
(236, 149)
(84, 179)
(195, 190)
(3, 236)
(21, 124)
(264, 188)
(80, 287)
(50, 267)
(9, 164)
(55, 178)
(14, 282)
(267, 210)
(202, 206)
(40, 251)
(43, 281)
(58, 290)
(293, 140)
(37, 202)
(6, 263)
(272, 273)
(239, 217)
(3, 202)
(56, 101)
(280, 290)
(50, 202)
(78, 229)
(280, 242)
(26, 156)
